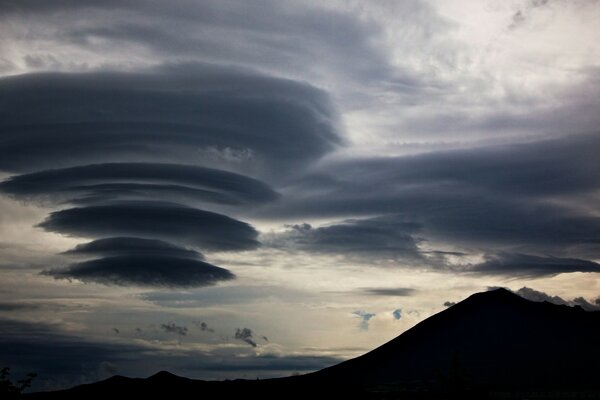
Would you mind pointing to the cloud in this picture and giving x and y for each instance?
(516, 264)
(144, 270)
(203, 326)
(379, 237)
(155, 220)
(101, 183)
(225, 295)
(365, 317)
(536, 295)
(535, 195)
(8, 306)
(173, 328)
(120, 246)
(400, 292)
(245, 335)
(397, 314)
(174, 113)
(449, 303)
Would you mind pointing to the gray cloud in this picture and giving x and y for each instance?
(144, 270)
(9, 306)
(245, 335)
(536, 295)
(155, 220)
(365, 318)
(174, 328)
(204, 326)
(449, 303)
(380, 237)
(120, 246)
(100, 183)
(401, 292)
(532, 196)
(176, 113)
(515, 264)
(224, 295)
(397, 314)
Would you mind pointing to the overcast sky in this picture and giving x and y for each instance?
(256, 188)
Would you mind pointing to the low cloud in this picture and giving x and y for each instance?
(173, 328)
(204, 326)
(399, 292)
(397, 314)
(365, 318)
(536, 295)
(245, 335)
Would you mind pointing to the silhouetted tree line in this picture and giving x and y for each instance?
(8, 389)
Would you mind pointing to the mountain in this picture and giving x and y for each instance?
(491, 344)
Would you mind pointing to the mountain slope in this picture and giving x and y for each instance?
(492, 339)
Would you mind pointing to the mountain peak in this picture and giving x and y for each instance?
(163, 375)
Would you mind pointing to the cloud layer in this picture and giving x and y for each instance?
(100, 183)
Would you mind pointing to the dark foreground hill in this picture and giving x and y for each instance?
(492, 345)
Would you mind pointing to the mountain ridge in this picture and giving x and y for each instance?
(490, 342)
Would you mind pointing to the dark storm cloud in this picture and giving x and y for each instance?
(123, 246)
(174, 328)
(144, 270)
(562, 166)
(100, 183)
(515, 264)
(532, 195)
(193, 113)
(401, 292)
(381, 237)
(155, 220)
(245, 335)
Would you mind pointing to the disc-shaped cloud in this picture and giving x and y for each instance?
(192, 114)
(119, 246)
(98, 183)
(155, 220)
(162, 271)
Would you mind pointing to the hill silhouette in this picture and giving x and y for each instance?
(492, 345)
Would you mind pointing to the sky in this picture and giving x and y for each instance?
(243, 189)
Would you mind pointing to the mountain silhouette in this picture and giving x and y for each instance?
(494, 343)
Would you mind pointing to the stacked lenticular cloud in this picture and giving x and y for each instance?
(154, 167)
